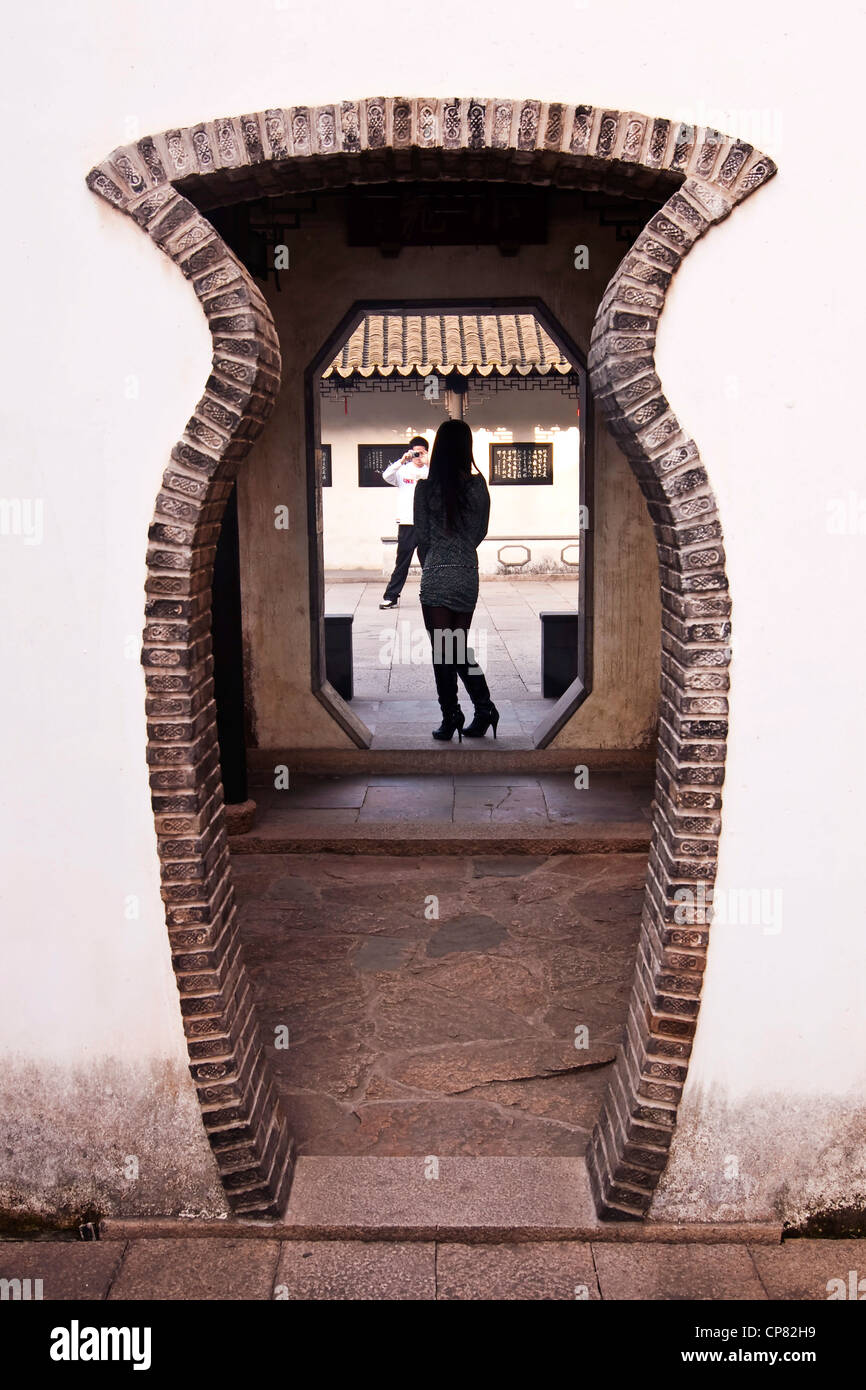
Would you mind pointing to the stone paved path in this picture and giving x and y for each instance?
(479, 798)
(394, 691)
(432, 1003)
(255, 1269)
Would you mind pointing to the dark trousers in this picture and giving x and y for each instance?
(447, 630)
(407, 540)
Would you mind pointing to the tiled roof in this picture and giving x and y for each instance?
(467, 343)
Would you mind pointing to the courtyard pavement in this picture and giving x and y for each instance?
(441, 1005)
(226, 1268)
(469, 799)
(468, 1008)
(394, 691)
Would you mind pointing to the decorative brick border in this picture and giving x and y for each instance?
(704, 175)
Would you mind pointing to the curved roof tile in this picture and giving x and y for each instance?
(467, 343)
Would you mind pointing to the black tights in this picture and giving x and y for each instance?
(448, 632)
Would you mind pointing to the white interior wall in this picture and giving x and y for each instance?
(777, 1077)
(355, 518)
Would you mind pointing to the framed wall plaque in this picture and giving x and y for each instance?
(521, 463)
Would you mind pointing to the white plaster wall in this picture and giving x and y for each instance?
(89, 302)
(778, 1077)
(355, 518)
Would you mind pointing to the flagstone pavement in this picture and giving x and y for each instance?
(443, 1005)
(394, 693)
(227, 1268)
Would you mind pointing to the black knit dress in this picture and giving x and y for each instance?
(449, 559)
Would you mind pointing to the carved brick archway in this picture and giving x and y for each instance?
(703, 175)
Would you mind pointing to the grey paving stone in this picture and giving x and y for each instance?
(541, 1196)
(556, 1270)
(812, 1269)
(321, 792)
(470, 932)
(68, 1270)
(676, 1272)
(383, 953)
(209, 1268)
(397, 803)
(340, 1269)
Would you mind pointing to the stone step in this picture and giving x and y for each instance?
(446, 1199)
(449, 757)
(406, 837)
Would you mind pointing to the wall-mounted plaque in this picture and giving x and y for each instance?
(521, 463)
(373, 459)
(327, 478)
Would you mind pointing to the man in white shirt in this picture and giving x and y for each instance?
(403, 475)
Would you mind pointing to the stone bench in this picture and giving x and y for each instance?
(501, 555)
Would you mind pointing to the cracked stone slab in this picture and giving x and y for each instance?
(453, 1126)
(450, 1070)
(572, 1099)
(349, 966)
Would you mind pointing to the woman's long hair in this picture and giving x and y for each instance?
(451, 464)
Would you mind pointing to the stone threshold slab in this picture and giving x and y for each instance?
(471, 1200)
(407, 837)
(451, 758)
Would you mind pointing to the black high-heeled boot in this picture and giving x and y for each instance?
(451, 720)
(486, 713)
(452, 715)
(486, 717)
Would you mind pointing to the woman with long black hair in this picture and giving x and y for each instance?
(451, 514)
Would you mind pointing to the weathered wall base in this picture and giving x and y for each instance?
(102, 1139)
(777, 1155)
